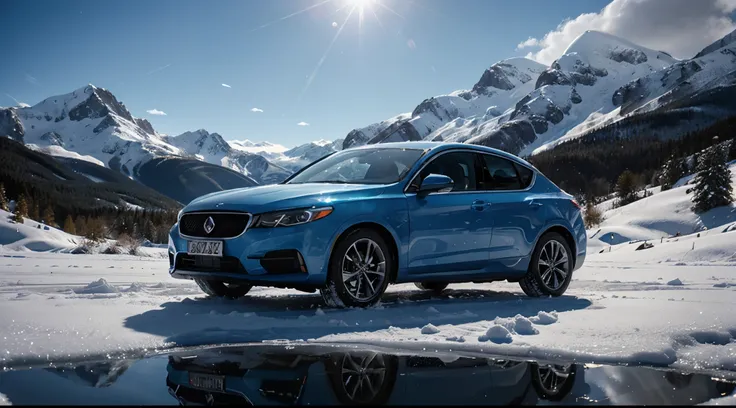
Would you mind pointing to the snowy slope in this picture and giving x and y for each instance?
(28, 237)
(663, 214)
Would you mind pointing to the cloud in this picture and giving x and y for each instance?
(679, 27)
(302, 124)
(31, 79)
(156, 112)
(23, 105)
(226, 86)
(258, 110)
(158, 69)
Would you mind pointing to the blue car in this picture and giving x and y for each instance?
(355, 221)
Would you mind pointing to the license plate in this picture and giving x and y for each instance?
(207, 248)
(207, 382)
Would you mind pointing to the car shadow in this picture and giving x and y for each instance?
(201, 321)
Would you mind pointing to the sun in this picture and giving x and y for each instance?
(360, 4)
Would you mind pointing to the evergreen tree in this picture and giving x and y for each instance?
(673, 170)
(713, 182)
(95, 229)
(592, 215)
(3, 198)
(48, 216)
(34, 214)
(626, 187)
(21, 209)
(69, 226)
(149, 230)
(80, 226)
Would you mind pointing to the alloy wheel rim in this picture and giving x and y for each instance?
(362, 376)
(363, 269)
(553, 377)
(553, 265)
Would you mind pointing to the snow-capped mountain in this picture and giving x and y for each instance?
(498, 89)
(90, 124)
(212, 148)
(521, 106)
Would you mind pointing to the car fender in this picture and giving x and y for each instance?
(397, 231)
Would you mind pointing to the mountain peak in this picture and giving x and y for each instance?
(618, 49)
(726, 40)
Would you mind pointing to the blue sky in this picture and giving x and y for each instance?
(174, 56)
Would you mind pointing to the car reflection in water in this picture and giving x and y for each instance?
(288, 377)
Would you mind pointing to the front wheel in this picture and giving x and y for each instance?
(550, 269)
(223, 289)
(359, 270)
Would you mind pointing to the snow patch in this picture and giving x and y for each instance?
(544, 318)
(497, 334)
(97, 287)
(430, 329)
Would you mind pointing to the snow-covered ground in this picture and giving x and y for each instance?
(672, 304)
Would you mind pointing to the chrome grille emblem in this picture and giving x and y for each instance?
(209, 225)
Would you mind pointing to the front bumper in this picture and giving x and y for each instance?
(309, 243)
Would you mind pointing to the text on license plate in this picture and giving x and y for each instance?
(207, 382)
(209, 248)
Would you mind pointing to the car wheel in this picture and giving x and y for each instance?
(436, 287)
(365, 378)
(553, 382)
(550, 269)
(359, 270)
(223, 289)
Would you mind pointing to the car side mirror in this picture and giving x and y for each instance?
(436, 183)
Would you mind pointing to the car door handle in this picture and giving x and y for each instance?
(480, 205)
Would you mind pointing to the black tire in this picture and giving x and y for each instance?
(532, 283)
(223, 290)
(338, 377)
(563, 385)
(436, 287)
(336, 293)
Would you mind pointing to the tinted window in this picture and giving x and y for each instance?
(499, 174)
(361, 166)
(525, 174)
(459, 166)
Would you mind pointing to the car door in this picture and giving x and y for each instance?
(450, 231)
(517, 215)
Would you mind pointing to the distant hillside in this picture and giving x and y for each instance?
(72, 186)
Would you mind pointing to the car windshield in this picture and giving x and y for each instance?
(361, 166)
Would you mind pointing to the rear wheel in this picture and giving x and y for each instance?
(436, 287)
(360, 266)
(550, 269)
(553, 382)
(223, 289)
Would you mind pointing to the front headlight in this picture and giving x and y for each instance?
(291, 217)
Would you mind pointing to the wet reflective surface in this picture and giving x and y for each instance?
(275, 374)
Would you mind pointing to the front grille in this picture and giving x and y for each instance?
(198, 263)
(195, 396)
(226, 225)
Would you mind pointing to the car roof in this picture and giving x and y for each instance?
(439, 146)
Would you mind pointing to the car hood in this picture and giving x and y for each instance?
(277, 197)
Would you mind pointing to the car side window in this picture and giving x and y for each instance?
(459, 166)
(525, 175)
(499, 174)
